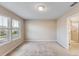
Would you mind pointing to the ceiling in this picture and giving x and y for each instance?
(27, 10)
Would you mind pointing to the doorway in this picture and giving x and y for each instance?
(74, 35)
(74, 32)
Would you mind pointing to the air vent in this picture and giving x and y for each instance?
(73, 4)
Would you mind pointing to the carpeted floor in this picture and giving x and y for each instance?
(40, 49)
(74, 49)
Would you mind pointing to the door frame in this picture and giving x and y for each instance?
(68, 32)
(69, 29)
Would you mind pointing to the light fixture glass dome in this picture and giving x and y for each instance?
(41, 7)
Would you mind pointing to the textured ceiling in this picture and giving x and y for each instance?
(27, 10)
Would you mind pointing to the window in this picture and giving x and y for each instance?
(15, 29)
(9, 29)
(3, 29)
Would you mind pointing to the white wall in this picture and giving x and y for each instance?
(41, 30)
(62, 32)
(8, 47)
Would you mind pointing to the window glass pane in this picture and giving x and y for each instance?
(15, 33)
(5, 22)
(0, 21)
(3, 35)
(15, 24)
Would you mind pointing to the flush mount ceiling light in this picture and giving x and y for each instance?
(41, 7)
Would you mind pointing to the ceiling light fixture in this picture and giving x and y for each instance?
(41, 7)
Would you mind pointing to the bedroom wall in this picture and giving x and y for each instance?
(62, 32)
(41, 30)
(8, 47)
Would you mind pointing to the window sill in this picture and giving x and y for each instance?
(6, 42)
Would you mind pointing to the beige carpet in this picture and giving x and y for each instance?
(74, 49)
(40, 49)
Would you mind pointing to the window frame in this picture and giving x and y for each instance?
(9, 30)
(19, 30)
(6, 28)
